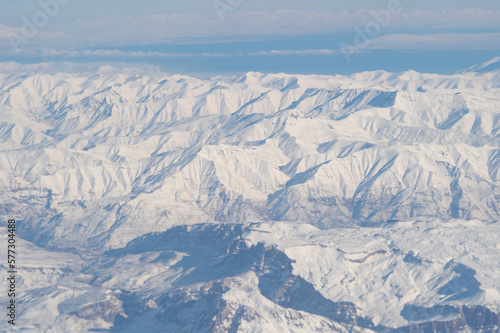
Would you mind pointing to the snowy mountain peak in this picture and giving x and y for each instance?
(492, 65)
(259, 202)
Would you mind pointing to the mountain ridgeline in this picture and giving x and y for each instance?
(252, 203)
(115, 155)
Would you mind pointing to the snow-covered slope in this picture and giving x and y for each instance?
(438, 276)
(490, 66)
(100, 152)
(90, 161)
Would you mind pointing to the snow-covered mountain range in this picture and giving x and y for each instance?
(253, 203)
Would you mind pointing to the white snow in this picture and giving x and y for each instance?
(383, 188)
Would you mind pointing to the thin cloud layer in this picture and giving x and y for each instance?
(437, 42)
(141, 54)
(104, 37)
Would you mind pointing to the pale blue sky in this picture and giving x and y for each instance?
(92, 8)
(254, 34)
(12, 11)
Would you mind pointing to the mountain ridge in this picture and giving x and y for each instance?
(256, 142)
(256, 202)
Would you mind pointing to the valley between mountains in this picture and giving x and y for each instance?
(254, 202)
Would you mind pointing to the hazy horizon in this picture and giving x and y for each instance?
(219, 37)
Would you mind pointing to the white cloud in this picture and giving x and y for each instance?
(486, 41)
(294, 52)
(118, 31)
(119, 53)
(140, 54)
